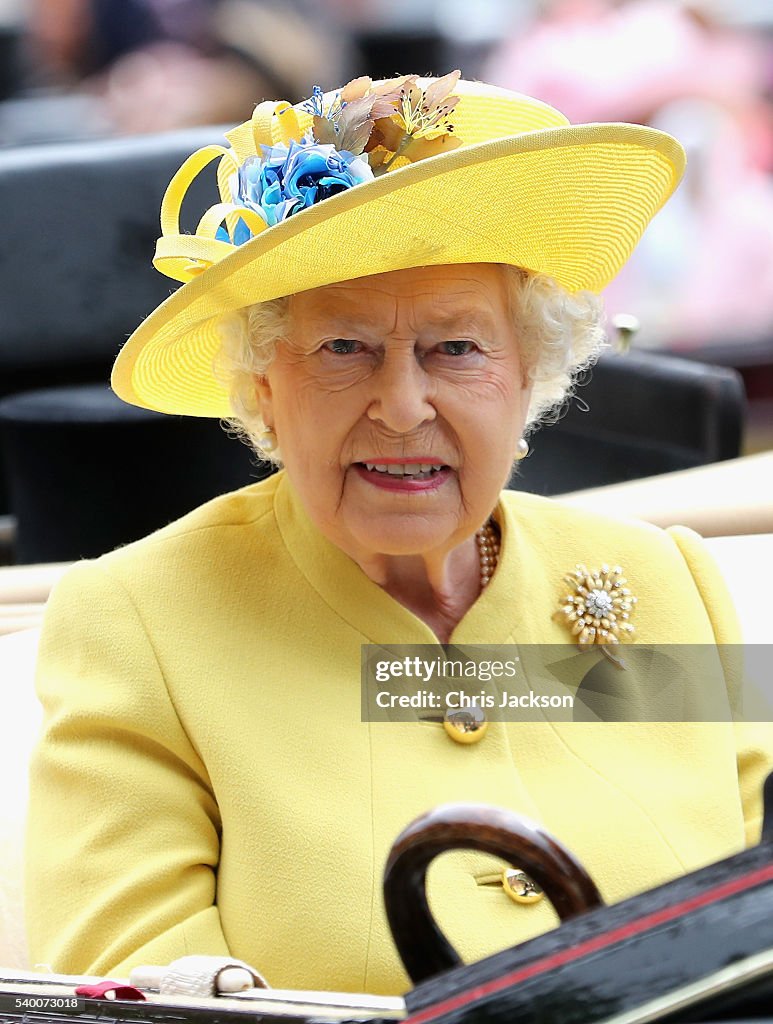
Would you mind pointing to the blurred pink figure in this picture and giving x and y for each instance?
(704, 271)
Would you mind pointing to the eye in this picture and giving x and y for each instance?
(342, 346)
(457, 348)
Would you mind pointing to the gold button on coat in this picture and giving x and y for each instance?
(520, 887)
(465, 725)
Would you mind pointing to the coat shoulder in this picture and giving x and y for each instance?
(668, 568)
(219, 538)
(554, 516)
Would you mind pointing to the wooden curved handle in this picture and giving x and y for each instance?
(767, 803)
(423, 948)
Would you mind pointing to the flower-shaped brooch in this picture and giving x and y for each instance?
(599, 607)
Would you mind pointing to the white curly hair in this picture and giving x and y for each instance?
(561, 334)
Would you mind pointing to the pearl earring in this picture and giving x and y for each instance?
(267, 442)
(523, 449)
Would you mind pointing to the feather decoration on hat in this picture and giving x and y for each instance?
(349, 121)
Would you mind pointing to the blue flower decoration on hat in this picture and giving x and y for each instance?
(287, 179)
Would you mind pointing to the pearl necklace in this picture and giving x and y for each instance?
(488, 547)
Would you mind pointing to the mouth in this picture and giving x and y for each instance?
(404, 474)
(404, 469)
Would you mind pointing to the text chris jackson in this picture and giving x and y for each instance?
(456, 699)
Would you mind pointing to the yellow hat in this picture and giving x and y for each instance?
(453, 172)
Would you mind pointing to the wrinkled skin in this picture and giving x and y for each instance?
(414, 363)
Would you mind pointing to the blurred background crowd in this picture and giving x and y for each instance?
(700, 283)
(703, 70)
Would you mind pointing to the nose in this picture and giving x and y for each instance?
(402, 393)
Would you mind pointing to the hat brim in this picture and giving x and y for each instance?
(571, 202)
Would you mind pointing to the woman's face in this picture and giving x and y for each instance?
(401, 372)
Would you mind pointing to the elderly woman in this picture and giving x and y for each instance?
(396, 284)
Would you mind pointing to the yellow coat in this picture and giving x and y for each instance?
(205, 784)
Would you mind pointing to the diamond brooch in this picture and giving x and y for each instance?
(599, 606)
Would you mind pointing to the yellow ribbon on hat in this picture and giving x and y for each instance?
(183, 257)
